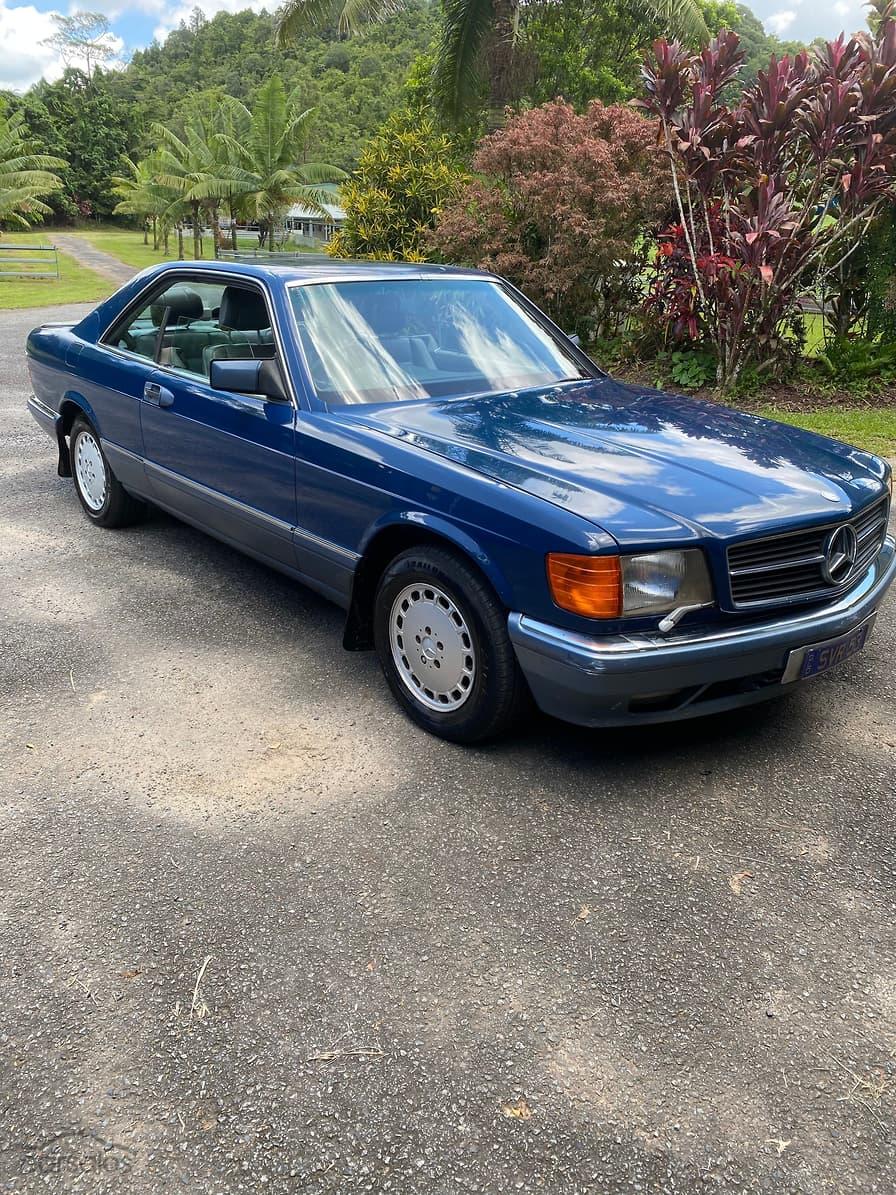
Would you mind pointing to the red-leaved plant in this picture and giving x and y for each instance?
(560, 206)
(773, 194)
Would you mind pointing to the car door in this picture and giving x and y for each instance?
(224, 461)
(112, 375)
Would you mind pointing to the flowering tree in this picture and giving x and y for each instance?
(559, 209)
(773, 195)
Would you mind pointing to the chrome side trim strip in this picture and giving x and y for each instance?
(249, 512)
(42, 408)
(132, 456)
(215, 496)
(327, 545)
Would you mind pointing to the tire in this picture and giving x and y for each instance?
(103, 498)
(441, 637)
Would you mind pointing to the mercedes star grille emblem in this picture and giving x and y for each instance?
(840, 554)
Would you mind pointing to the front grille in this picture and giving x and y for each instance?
(782, 567)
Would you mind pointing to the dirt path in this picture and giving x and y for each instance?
(94, 259)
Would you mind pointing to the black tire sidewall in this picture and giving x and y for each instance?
(494, 696)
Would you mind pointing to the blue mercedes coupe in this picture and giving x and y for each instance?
(500, 519)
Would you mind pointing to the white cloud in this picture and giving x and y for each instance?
(23, 57)
(841, 8)
(780, 22)
(23, 60)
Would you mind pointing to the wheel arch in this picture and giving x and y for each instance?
(72, 405)
(384, 543)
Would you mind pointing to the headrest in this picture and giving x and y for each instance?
(243, 310)
(182, 304)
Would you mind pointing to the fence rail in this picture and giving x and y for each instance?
(286, 255)
(29, 261)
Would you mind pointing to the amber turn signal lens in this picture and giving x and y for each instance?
(586, 585)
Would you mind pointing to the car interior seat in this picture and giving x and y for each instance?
(246, 326)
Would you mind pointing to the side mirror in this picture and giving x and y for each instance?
(576, 339)
(251, 376)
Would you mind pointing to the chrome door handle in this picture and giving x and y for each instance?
(158, 395)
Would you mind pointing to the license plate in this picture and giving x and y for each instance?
(819, 657)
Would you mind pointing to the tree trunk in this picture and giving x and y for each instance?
(232, 227)
(197, 231)
(146, 231)
(180, 241)
(216, 227)
(499, 54)
(166, 231)
(155, 234)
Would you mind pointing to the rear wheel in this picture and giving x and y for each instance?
(441, 637)
(103, 498)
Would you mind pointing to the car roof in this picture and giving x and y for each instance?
(313, 268)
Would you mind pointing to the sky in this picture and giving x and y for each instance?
(804, 20)
(23, 27)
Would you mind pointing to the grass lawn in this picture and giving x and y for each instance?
(873, 429)
(127, 245)
(76, 284)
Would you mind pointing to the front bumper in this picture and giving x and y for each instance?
(626, 679)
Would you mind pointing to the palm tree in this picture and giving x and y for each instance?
(25, 174)
(191, 166)
(472, 31)
(142, 195)
(232, 122)
(268, 165)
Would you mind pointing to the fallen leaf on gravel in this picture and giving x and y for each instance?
(584, 913)
(518, 1111)
(735, 882)
(779, 1142)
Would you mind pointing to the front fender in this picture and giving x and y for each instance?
(436, 525)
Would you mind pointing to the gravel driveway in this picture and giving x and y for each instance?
(260, 934)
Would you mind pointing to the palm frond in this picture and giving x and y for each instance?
(682, 19)
(300, 16)
(456, 75)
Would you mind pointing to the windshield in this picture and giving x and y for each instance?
(407, 338)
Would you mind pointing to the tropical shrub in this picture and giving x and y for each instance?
(774, 193)
(404, 177)
(559, 209)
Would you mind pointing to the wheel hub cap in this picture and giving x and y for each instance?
(432, 647)
(90, 470)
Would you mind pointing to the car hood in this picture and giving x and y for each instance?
(642, 465)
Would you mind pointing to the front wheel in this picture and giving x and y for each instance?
(441, 637)
(103, 498)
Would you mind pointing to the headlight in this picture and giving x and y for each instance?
(619, 586)
(661, 581)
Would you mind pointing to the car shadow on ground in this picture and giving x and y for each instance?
(623, 745)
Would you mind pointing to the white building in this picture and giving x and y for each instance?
(311, 224)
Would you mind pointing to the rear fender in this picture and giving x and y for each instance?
(73, 404)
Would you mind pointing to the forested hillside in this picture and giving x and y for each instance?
(353, 84)
(581, 49)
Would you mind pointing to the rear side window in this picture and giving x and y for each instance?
(188, 324)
